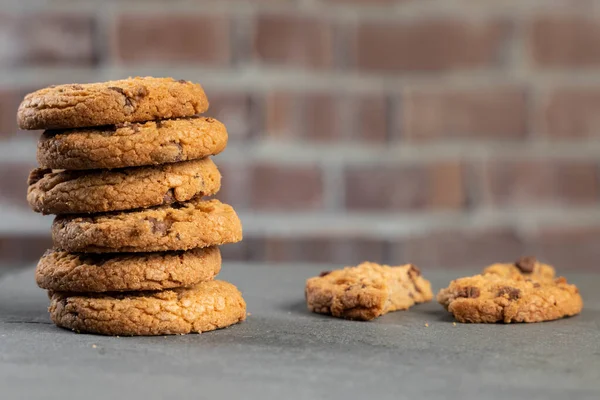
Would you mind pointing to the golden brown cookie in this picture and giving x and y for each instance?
(110, 103)
(366, 291)
(58, 270)
(493, 298)
(132, 144)
(180, 226)
(72, 192)
(523, 268)
(204, 307)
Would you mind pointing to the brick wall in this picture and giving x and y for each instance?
(446, 133)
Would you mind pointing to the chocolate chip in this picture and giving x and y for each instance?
(179, 156)
(513, 293)
(182, 81)
(526, 264)
(128, 101)
(117, 89)
(159, 124)
(160, 227)
(141, 92)
(169, 197)
(77, 87)
(324, 273)
(414, 271)
(470, 292)
(177, 206)
(536, 285)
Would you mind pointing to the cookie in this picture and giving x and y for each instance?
(525, 267)
(58, 270)
(366, 291)
(72, 192)
(180, 226)
(204, 307)
(132, 144)
(109, 103)
(493, 298)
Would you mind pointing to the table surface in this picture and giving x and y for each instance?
(283, 351)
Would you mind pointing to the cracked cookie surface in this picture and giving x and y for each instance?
(180, 226)
(132, 144)
(505, 293)
(72, 192)
(366, 291)
(59, 270)
(204, 307)
(108, 103)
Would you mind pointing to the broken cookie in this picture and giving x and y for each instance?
(367, 291)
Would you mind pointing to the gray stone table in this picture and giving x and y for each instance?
(284, 352)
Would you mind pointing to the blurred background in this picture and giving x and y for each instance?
(450, 134)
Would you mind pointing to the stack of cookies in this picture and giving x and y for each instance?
(125, 166)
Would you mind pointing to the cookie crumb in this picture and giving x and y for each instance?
(93, 346)
(426, 325)
(454, 324)
(249, 314)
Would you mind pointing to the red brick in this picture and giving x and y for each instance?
(167, 38)
(571, 113)
(295, 41)
(23, 251)
(479, 113)
(328, 250)
(284, 187)
(235, 184)
(282, 117)
(235, 110)
(371, 118)
(463, 248)
(568, 248)
(539, 182)
(405, 187)
(565, 41)
(320, 117)
(430, 45)
(13, 181)
(309, 116)
(47, 39)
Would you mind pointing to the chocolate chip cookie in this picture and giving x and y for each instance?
(511, 293)
(204, 307)
(80, 272)
(367, 291)
(132, 144)
(180, 226)
(109, 103)
(72, 192)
